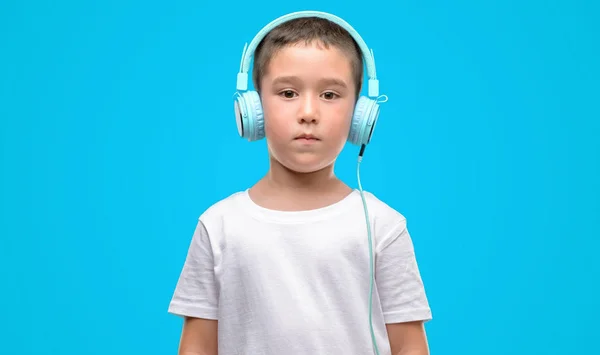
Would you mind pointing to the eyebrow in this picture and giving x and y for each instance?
(323, 81)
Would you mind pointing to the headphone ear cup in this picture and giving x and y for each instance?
(364, 119)
(249, 116)
(258, 122)
(241, 117)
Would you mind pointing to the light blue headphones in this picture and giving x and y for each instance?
(248, 108)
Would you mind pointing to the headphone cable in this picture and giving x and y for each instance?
(371, 266)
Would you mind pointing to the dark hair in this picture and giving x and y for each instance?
(307, 29)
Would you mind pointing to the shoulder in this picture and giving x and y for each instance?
(388, 223)
(227, 206)
(382, 210)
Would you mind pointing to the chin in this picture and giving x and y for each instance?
(306, 165)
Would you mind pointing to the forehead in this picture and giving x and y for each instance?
(309, 61)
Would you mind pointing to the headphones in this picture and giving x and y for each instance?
(248, 108)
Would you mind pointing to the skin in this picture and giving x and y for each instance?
(307, 89)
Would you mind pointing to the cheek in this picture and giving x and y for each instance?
(340, 122)
(274, 116)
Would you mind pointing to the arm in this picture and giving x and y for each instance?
(196, 298)
(408, 338)
(198, 337)
(402, 294)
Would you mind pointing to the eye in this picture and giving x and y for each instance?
(288, 94)
(329, 95)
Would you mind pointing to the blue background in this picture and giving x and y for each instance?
(117, 131)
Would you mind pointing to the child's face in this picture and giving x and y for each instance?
(307, 89)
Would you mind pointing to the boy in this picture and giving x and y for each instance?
(283, 268)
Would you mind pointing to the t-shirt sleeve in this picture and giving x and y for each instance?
(399, 282)
(196, 290)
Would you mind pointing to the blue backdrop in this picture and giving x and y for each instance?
(117, 131)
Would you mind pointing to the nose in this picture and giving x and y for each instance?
(308, 110)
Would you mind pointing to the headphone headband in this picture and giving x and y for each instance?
(242, 77)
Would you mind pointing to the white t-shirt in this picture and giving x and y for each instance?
(297, 283)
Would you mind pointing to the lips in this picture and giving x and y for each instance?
(307, 137)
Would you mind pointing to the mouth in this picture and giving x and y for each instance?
(307, 137)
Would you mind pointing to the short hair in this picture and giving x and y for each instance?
(307, 30)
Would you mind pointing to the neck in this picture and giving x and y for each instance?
(281, 178)
(284, 189)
